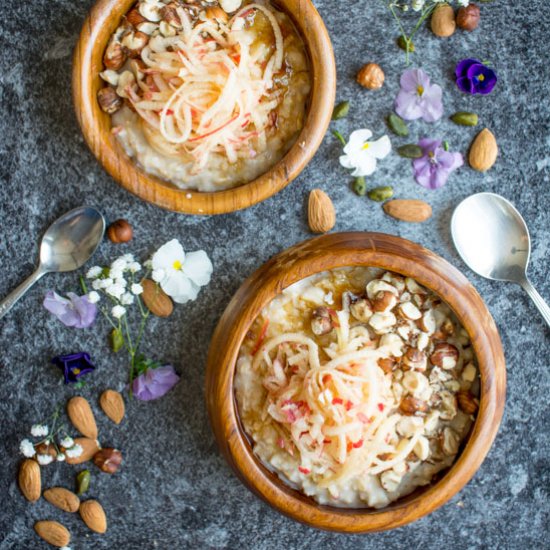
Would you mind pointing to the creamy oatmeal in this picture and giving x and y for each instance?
(356, 386)
(207, 95)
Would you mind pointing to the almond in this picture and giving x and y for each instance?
(410, 210)
(443, 22)
(321, 214)
(484, 151)
(62, 498)
(29, 479)
(53, 533)
(93, 516)
(82, 417)
(89, 449)
(156, 300)
(113, 405)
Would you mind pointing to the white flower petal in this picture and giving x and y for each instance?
(136, 289)
(94, 272)
(380, 148)
(158, 275)
(167, 254)
(365, 166)
(188, 296)
(356, 140)
(176, 283)
(118, 311)
(198, 267)
(346, 162)
(93, 297)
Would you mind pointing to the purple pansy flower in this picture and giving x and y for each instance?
(433, 169)
(76, 311)
(74, 365)
(473, 77)
(418, 98)
(154, 383)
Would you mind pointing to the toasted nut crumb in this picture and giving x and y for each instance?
(467, 403)
(108, 100)
(411, 406)
(321, 323)
(445, 355)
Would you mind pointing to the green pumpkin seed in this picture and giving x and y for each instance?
(83, 482)
(359, 186)
(380, 194)
(405, 44)
(341, 110)
(465, 119)
(397, 125)
(410, 151)
(116, 340)
(339, 136)
(446, 145)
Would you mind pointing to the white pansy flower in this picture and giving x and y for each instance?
(361, 154)
(127, 299)
(136, 289)
(118, 311)
(38, 430)
(184, 274)
(27, 448)
(134, 267)
(93, 297)
(74, 452)
(67, 442)
(115, 290)
(158, 275)
(94, 272)
(44, 460)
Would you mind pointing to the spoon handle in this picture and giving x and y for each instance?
(542, 306)
(7, 303)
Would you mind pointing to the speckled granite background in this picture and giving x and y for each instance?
(175, 490)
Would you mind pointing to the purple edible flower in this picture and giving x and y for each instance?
(433, 169)
(418, 98)
(74, 365)
(76, 311)
(473, 77)
(154, 383)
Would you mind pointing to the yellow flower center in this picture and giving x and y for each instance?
(177, 265)
(481, 77)
(365, 146)
(76, 371)
(431, 154)
(420, 90)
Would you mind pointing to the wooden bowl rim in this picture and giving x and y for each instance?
(164, 194)
(329, 252)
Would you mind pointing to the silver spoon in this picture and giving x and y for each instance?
(67, 245)
(493, 239)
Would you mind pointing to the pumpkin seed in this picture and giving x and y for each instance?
(360, 186)
(465, 119)
(116, 340)
(397, 125)
(410, 151)
(82, 482)
(380, 194)
(341, 110)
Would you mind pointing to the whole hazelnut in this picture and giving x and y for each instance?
(371, 76)
(108, 100)
(467, 17)
(108, 460)
(120, 231)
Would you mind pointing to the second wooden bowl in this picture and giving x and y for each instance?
(325, 253)
(101, 22)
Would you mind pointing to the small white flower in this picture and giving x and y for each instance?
(121, 281)
(60, 457)
(116, 274)
(158, 275)
(119, 264)
(44, 460)
(417, 5)
(67, 442)
(106, 283)
(148, 264)
(38, 430)
(115, 290)
(74, 452)
(128, 258)
(134, 267)
(361, 154)
(97, 284)
(65, 548)
(94, 272)
(136, 289)
(27, 448)
(93, 297)
(127, 299)
(118, 311)
(184, 274)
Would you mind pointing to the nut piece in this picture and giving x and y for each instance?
(321, 214)
(216, 14)
(134, 42)
(409, 311)
(46, 449)
(112, 404)
(484, 151)
(371, 76)
(415, 359)
(62, 498)
(170, 15)
(321, 322)
(382, 321)
(444, 355)
(384, 301)
(428, 323)
(443, 21)
(230, 5)
(378, 285)
(450, 442)
(81, 415)
(466, 402)
(408, 210)
(93, 516)
(410, 406)
(108, 100)
(134, 17)
(361, 309)
(89, 449)
(155, 299)
(108, 460)
(120, 231)
(387, 364)
(29, 479)
(467, 17)
(115, 56)
(53, 533)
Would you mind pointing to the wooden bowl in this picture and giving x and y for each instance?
(324, 253)
(101, 22)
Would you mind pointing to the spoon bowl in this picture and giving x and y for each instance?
(493, 240)
(67, 245)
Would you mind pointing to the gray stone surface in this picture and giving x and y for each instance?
(175, 490)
